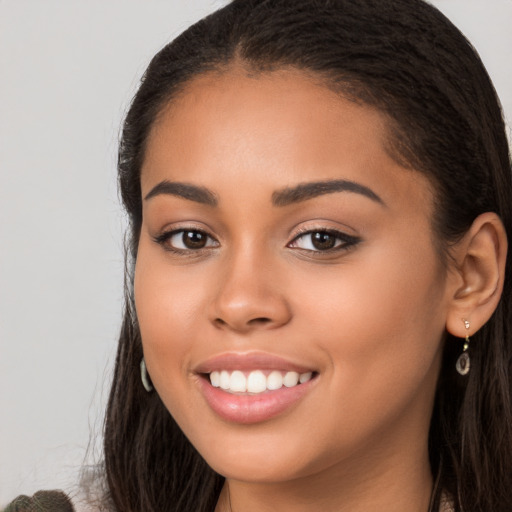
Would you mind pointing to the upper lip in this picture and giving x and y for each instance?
(249, 361)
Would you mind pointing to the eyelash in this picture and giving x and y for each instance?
(165, 241)
(342, 241)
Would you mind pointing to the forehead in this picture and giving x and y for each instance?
(237, 95)
(286, 126)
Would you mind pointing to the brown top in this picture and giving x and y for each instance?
(42, 501)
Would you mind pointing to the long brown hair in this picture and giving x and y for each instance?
(406, 59)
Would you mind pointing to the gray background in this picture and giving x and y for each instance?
(68, 69)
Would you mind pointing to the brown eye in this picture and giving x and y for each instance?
(323, 241)
(194, 239)
(183, 240)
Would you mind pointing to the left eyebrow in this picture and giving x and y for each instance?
(184, 190)
(305, 191)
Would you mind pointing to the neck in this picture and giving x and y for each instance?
(386, 482)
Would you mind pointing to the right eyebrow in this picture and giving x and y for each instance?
(309, 190)
(185, 190)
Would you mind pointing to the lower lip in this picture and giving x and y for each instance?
(247, 409)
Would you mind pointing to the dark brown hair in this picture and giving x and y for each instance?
(407, 60)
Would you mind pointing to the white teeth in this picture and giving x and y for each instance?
(275, 381)
(256, 381)
(304, 377)
(224, 379)
(291, 379)
(238, 382)
(215, 379)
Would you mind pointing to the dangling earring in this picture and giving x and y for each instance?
(463, 363)
(144, 376)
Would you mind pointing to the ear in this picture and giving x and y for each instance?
(478, 275)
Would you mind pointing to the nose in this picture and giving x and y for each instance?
(250, 296)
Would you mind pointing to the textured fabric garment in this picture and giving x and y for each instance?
(42, 501)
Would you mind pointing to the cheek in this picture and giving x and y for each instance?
(167, 304)
(381, 326)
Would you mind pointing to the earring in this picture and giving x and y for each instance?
(463, 363)
(144, 376)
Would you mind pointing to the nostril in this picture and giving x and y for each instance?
(259, 321)
(253, 322)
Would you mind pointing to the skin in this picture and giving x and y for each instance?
(369, 318)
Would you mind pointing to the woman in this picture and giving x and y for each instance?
(318, 295)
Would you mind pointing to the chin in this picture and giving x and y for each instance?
(262, 459)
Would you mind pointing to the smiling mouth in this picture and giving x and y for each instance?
(253, 387)
(256, 381)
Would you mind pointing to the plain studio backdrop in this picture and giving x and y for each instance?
(68, 69)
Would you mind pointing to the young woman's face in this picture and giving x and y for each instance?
(280, 241)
